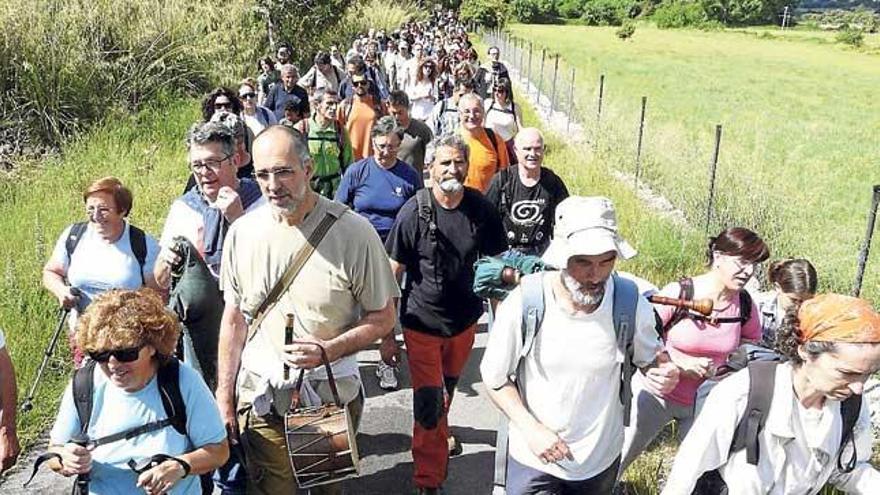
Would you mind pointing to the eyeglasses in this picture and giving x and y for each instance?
(279, 173)
(214, 165)
(121, 355)
(247, 96)
(101, 211)
(219, 105)
(386, 146)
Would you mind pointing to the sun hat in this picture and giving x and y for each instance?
(585, 226)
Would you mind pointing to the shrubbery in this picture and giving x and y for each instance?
(570, 9)
(679, 14)
(609, 12)
(533, 11)
(488, 13)
(851, 36)
(861, 18)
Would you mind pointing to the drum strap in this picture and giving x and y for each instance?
(295, 396)
(299, 261)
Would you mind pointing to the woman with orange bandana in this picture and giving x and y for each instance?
(832, 344)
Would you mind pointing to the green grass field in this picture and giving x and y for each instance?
(147, 153)
(799, 151)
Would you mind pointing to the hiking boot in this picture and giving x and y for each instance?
(454, 445)
(387, 375)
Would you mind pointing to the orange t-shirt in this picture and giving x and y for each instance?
(359, 123)
(484, 162)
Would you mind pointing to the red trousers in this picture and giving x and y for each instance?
(435, 364)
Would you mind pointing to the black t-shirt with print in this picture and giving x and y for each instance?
(527, 212)
(439, 299)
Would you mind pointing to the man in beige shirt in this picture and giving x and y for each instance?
(342, 299)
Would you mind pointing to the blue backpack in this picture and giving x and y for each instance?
(626, 299)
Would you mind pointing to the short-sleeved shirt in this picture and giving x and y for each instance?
(347, 275)
(377, 193)
(485, 159)
(698, 338)
(97, 266)
(440, 298)
(415, 141)
(358, 117)
(116, 410)
(570, 381)
(527, 212)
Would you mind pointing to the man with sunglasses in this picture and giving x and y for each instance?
(357, 114)
(286, 91)
(341, 299)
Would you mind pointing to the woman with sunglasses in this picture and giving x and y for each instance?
(130, 335)
(256, 117)
(101, 254)
(699, 345)
(503, 115)
(422, 93)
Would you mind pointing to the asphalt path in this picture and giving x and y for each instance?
(383, 440)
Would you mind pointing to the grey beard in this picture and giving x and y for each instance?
(577, 295)
(451, 186)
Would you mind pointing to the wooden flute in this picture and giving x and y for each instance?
(702, 306)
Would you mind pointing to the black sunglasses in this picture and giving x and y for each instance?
(247, 95)
(222, 106)
(359, 83)
(121, 355)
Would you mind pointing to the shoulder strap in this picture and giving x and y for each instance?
(169, 390)
(762, 376)
(686, 292)
(138, 241)
(491, 134)
(74, 236)
(745, 306)
(850, 409)
(83, 389)
(293, 269)
(340, 144)
(532, 287)
(347, 106)
(426, 209)
(626, 299)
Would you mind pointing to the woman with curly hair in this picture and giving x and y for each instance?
(832, 346)
(699, 345)
(422, 93)
(130, 336)
(221, 99)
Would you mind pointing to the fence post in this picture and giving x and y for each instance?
(713, 167)
(601, 95)
(553, 90)
(522, 54)
(541, 80)
(639, 145)
(866, 245)
(570, 102)
(529, 72)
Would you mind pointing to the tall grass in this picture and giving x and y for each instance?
(386, 15)
(146, 152)
(65, 64)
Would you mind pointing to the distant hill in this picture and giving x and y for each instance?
(838, 4)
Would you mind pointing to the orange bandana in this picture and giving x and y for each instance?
(837, 318)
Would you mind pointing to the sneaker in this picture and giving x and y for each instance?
(454, 446)
(387, 376)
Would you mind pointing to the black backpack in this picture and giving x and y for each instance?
(168, 380)
(135, 235)
(687, 292)
(762, 377)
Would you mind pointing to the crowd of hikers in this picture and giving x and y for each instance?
(390, 196)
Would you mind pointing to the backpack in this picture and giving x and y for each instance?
(492, 139)
(687, 292)
(168, 380)
(626, 298)
(136, 237)
(339, 139)
(762, 377)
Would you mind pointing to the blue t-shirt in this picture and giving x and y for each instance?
(378, 194)
(116, 410)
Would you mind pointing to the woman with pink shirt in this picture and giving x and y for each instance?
(699, 345)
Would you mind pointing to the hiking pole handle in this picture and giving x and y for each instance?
(83, 479)
(702, 306)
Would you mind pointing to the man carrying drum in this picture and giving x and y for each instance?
(341, 298)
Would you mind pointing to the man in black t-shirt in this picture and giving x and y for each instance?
(526, 195)
(436, 238)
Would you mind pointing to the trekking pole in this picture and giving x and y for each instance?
(866, 245)
(82, 480)
(28, 403)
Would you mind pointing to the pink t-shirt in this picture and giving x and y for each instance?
(701, 339)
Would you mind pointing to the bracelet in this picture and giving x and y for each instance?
(186, 467)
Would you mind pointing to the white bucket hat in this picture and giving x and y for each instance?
(585, 226)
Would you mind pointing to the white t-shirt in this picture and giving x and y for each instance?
(97, 266)
(504, 120)
(116, 410)
(571, 378)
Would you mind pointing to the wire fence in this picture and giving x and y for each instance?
(575, 105)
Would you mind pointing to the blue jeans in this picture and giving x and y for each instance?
(524, 480)
(231, 478)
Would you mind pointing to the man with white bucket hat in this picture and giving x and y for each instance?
(560, 355)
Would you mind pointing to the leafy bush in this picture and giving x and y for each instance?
(744, 12)
(851, 36)
(570, 9)
(378, 14)
(488, 13)
(609, 12)
(679, 14)
(533, 11)
(626, 30)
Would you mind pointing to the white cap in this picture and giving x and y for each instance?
(585, 226)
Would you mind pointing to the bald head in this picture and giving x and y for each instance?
(529, 144)
(278, 139)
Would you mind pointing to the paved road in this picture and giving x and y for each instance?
(384, 439)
